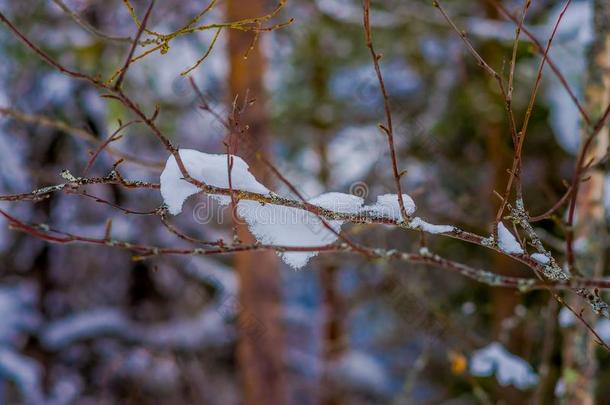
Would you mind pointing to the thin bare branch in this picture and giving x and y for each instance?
(388, 128)
(119, 81)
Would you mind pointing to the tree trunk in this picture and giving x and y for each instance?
(591, 226)
(260, 354)
(500, 154)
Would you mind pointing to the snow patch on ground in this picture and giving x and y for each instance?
(602, 327)
(508, 368)
(205, 329)
(17, 311)
(24, 372)
(359, 370)
(84, 325)
(566, 318)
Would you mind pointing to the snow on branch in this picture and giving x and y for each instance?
(507, 241)
(209, 169)
(276, 224)
(300, 225)
(271, 224)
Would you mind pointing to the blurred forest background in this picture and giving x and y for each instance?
(91, 325)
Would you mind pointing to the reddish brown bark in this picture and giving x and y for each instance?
(590, 226)
(333, 333)
(260, 354)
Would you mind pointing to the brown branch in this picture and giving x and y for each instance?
(113, 137)
(523, 284)
(530, 107)
(294, 190)
(554, 208)
(141, 28)
(515, 172)
(513, 61)
(388, 128)
(205, 55)
(540, 49)
(112, 178)
(358, 218)
(171, 228)
(576, 179)
(113, 205)
(118, 94)
(77, 75)
(88, 27)
(507, 99)
(205, 106)
(78, 133)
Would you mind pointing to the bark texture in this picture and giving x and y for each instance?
(260, 353)
(591, 228)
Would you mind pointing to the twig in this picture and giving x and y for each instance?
(523, 284)
(576, 179)
(294, 190)
(502, 9)
(513, 61)
(113, 137)
(515, 172)
(554, 208)
(78, 133)
(86, 26)
(388, 128)
(119, 81)
(205, 55)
